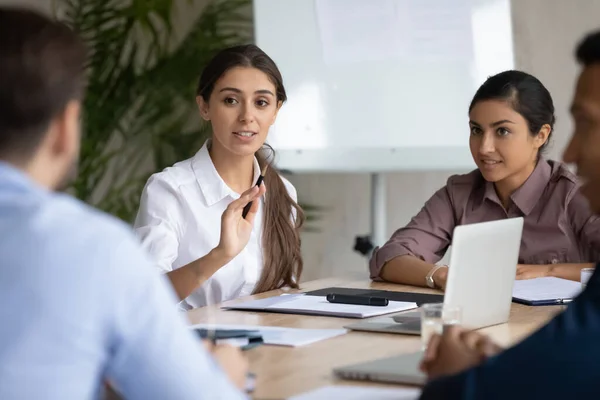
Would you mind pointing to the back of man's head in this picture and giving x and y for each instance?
(588, 50)
(41, 71)
(583, 149)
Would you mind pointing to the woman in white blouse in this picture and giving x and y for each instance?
(240, 92)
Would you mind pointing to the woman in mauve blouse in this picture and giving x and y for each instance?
(511, 118)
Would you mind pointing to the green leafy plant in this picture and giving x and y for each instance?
(139, 114)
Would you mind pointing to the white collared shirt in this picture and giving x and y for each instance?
(179, 221)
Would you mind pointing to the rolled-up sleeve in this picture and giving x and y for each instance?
(159, 219)
(427, 236)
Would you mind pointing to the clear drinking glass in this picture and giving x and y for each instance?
(434, 316)
(586, 274)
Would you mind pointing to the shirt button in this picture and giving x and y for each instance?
(554, 261)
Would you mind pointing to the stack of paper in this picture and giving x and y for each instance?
(318, 305)
(542, 291)
(359, 393)
(278, 336)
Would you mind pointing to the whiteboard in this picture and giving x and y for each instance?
(380, 85)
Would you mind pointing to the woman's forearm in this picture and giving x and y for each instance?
(411, 270)
(188, 278)
(569, 271)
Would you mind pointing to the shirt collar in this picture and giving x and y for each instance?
(213, 187)
(12, 176)
(527, 196)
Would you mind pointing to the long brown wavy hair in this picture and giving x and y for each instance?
(283, 217)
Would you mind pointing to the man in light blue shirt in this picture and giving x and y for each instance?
(79, 305)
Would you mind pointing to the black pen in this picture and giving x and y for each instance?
(258, 182)
(358, 300)
(250, 382)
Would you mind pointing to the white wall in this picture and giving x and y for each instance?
(545, 34)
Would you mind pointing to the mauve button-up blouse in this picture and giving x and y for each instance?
(559, 226)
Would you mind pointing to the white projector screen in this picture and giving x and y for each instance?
(380, 85)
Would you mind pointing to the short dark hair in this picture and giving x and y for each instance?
(588, 50)
(41, 70)
(526, 95)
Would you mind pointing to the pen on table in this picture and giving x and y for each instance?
(210, 335)
(213, 338)
(357, 300)
(250, 382)
(261, 177)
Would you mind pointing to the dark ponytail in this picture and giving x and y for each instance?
(283, 219)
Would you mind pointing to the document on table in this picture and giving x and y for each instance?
(318, 305)
(278, 336)
(547, 290)
(359, 393)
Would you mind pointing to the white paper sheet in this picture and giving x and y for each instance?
(359, 393)
(318, 305)
(278, 336)
(548, 288)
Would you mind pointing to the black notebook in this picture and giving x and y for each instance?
(254, 338)
(419, 298)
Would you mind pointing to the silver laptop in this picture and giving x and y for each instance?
(406, 323)
(399, 369)
(482, 271)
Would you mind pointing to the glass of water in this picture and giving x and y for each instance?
(586, 274)
(434, 316)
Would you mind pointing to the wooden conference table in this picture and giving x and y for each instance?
(283, 371)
